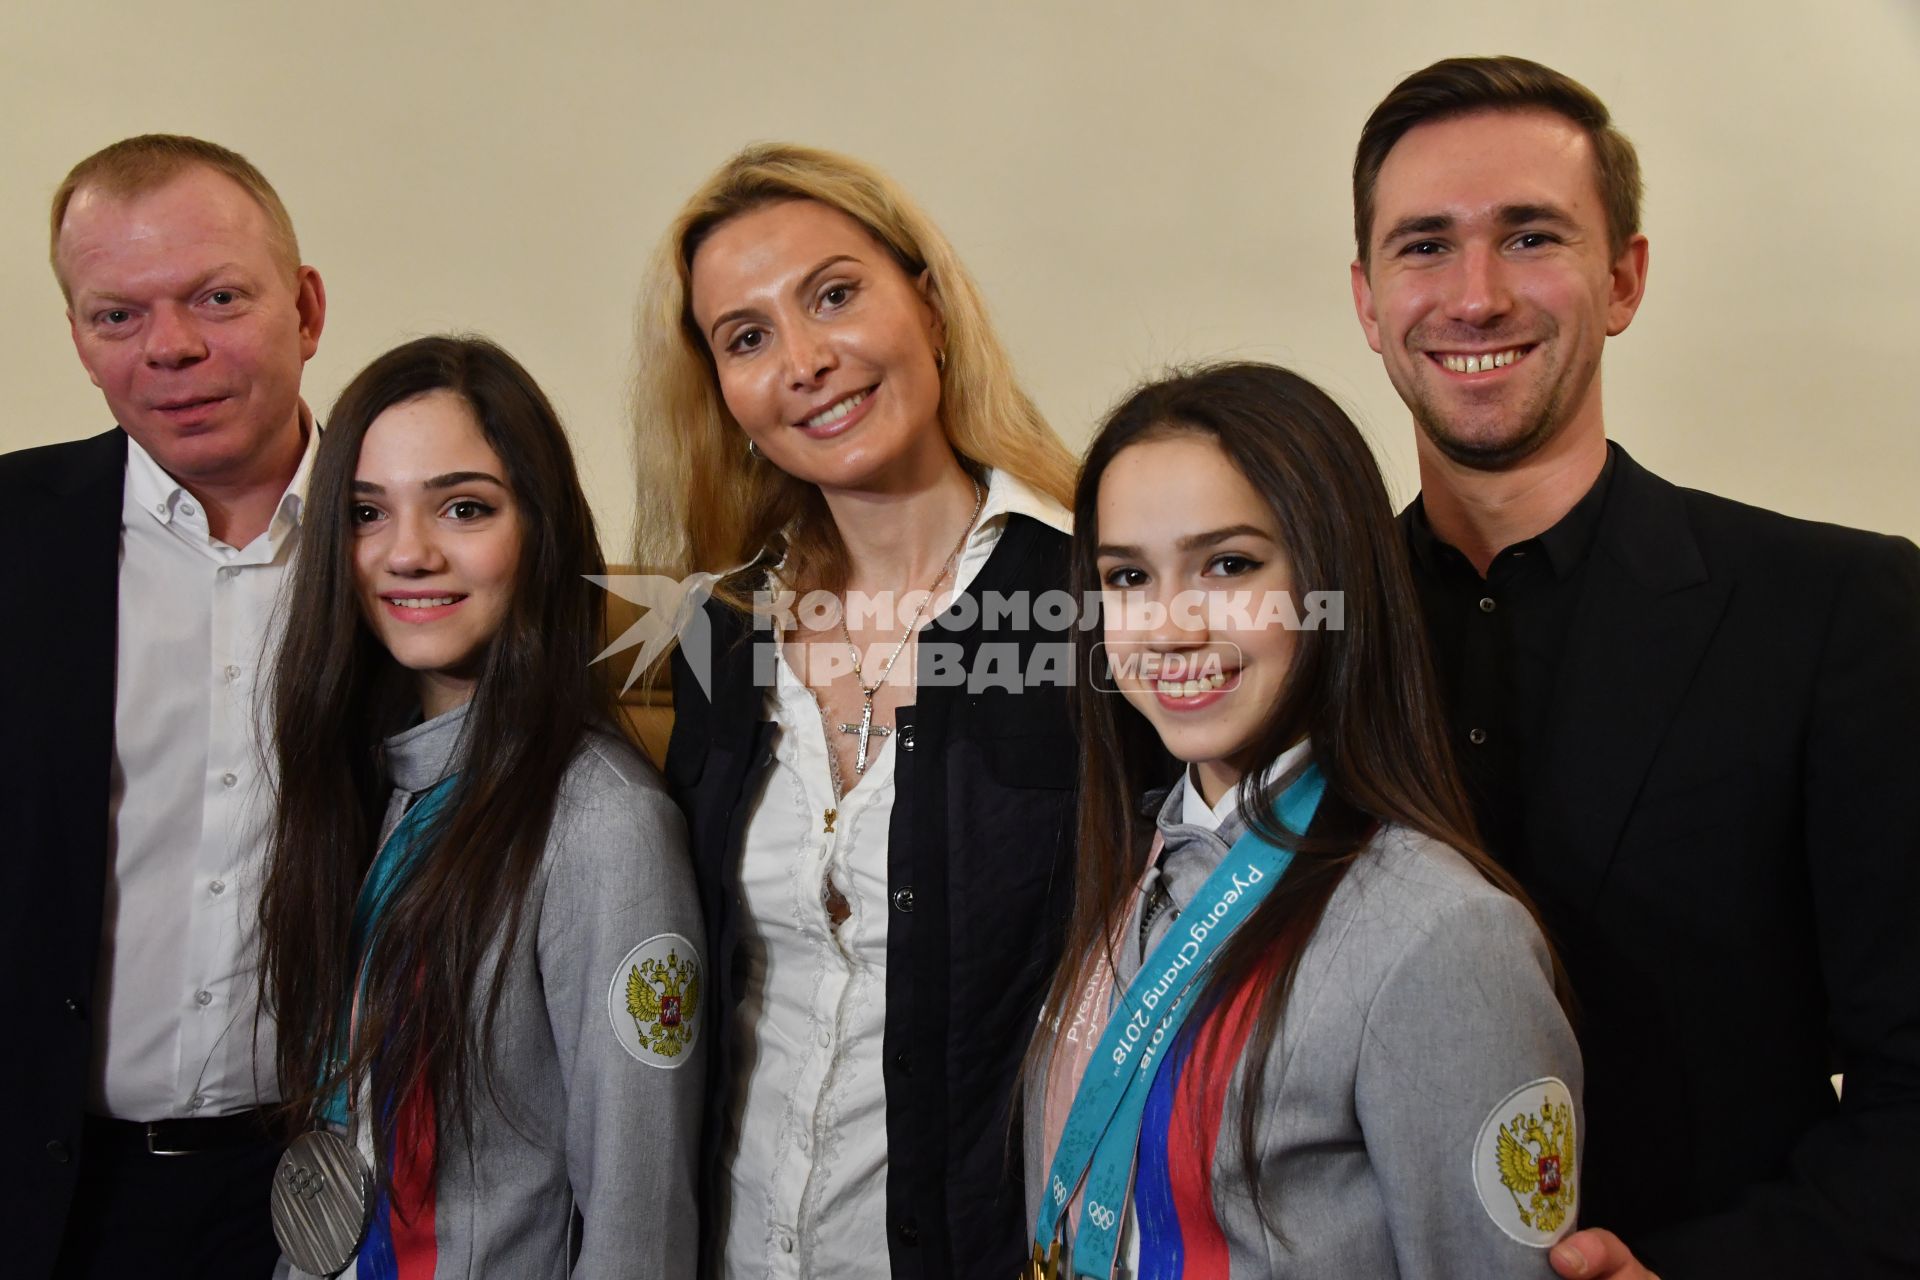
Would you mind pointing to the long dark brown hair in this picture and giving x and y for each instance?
(1364, 695)
(337, 693)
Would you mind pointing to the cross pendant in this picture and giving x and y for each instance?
(865, 728)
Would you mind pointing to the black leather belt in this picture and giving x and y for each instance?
(178, 1137)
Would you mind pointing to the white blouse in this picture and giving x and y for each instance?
(806, 1183)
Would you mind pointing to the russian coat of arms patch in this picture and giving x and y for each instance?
(1526, 1163)
(654, 1000)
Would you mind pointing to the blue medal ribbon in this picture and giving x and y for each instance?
(1102, 1130)
(392, 866)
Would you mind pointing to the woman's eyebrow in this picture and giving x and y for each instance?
(450, 480)
(1213, 537)
(1191, 542)
(454, 478)
(806, 281)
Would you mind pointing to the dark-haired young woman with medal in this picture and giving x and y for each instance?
(481, 940)
(1305, 1028)
(877, 769)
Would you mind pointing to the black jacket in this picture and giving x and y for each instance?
(979, 856)
(1724, 844)
(60, 580)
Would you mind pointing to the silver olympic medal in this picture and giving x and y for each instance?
(322, 1201)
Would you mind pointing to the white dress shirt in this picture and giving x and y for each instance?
(805, 1192)
(189, 805)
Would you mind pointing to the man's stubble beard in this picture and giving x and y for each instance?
(1543, 422)
(1498, 455)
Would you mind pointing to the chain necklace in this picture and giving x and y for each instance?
(867, 729)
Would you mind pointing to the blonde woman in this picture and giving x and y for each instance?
(880, 795)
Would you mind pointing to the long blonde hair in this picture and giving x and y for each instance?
(705, 504)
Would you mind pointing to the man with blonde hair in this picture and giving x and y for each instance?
(146, 569)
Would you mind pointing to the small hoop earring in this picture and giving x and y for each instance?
(753, 450)
(940, 359)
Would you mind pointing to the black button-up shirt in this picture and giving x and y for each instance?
(1497, 643)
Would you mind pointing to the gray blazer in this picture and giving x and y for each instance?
(595, 1114)
(1423, 1005)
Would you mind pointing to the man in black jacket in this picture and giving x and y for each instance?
(144, 575)
(1688, 724)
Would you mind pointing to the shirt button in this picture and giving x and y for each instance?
(229, 780)
(230, 572)
(217, 888)
(903, 900)
(1476, 736)
(159, 508)
(57, 1150)
(196, 1102)
(233, 672)
(1486, 604)
(203, 998)
(786, 1244)
(186, 508)
(824, 1038)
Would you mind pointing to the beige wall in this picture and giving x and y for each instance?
(1133, 186)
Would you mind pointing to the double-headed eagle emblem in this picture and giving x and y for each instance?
(662, 997)
(1536, 1159)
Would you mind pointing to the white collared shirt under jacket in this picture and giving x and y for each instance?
(806, 1180)
(190, 802)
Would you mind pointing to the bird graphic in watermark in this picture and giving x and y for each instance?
(670, 609)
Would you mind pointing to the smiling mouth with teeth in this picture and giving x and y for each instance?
(827, 417)
(423, 602)
(1190, 688)
(1478, 362)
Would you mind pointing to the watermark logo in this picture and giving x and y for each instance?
(1057, 611)
(1113, 666)
(671, 608)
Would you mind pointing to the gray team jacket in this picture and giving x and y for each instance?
(599, 1048)
(1422, 1027)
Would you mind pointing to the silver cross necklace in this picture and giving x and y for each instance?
(867, 729)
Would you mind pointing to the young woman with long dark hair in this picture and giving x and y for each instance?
(482, 946)
(879, 798)
(1304, 1028)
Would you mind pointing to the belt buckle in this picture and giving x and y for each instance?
(153, 1133)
